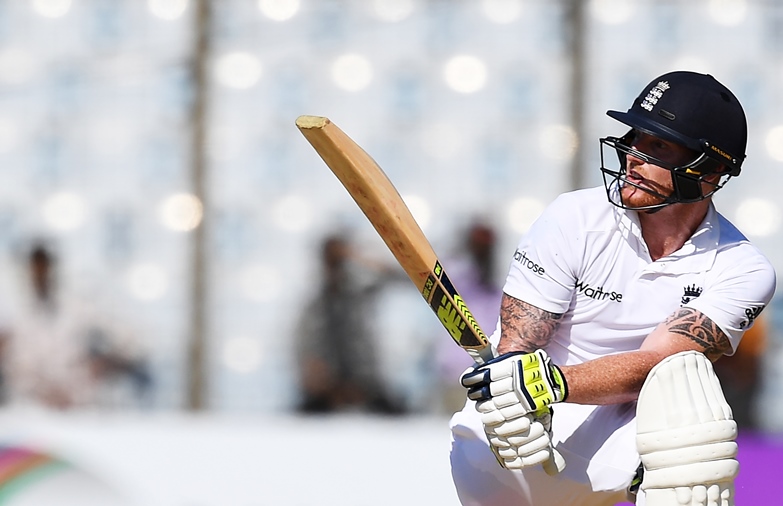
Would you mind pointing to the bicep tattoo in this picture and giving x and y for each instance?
(697, 327)
(525, 327)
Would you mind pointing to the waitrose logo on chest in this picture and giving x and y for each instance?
(597, 292)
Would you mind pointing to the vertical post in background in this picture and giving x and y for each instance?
(575, 26)
(196, 366)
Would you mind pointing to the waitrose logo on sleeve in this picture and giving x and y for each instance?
(521, 257)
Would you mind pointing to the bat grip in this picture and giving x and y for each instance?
(482, 355)
(555, 464)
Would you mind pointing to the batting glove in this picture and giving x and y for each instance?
(516, 384)
(522, 442)
(513, 393)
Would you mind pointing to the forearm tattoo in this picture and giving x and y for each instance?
(701, 330)
(525, 327)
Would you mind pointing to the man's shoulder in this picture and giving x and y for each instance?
(730, 235)
(586, 208)
(733, 243)
(593, 197)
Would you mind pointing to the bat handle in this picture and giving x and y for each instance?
(481, 355)
(555, 464)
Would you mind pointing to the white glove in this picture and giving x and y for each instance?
(522, 442)
(517, 384)
(513, 393)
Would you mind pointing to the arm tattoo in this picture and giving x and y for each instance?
(525, 327)
(701, 330)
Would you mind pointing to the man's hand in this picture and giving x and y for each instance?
(523, 442)
(517, 384)
(513, 393)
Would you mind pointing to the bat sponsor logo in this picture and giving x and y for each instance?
(470, 319)
(427, 290)
(449, 317)
(455, 316)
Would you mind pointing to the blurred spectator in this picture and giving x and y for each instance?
(472, 272)
(5, 333)
(337, 358)
(741, 374)
(61, 352)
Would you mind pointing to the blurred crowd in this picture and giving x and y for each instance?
(61, 351)
(337, 347)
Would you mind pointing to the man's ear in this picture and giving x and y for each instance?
(711, 170)
(715, 175)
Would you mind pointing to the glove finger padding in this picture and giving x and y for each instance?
(522, 442)
(519, 426)
(521, 449)
(686, 435)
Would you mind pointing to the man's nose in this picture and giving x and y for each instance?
(634, 158)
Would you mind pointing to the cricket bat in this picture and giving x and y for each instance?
(382, 204)
(377, 197)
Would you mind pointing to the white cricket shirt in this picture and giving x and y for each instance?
(586, 259)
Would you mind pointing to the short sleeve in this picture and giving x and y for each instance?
(742, 283)
(541, 272)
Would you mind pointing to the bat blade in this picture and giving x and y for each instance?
(377, 197)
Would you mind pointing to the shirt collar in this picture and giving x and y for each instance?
(696, 255)
(705, 239)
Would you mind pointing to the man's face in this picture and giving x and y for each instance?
(649, 176)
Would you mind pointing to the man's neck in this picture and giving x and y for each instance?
(666, 230)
